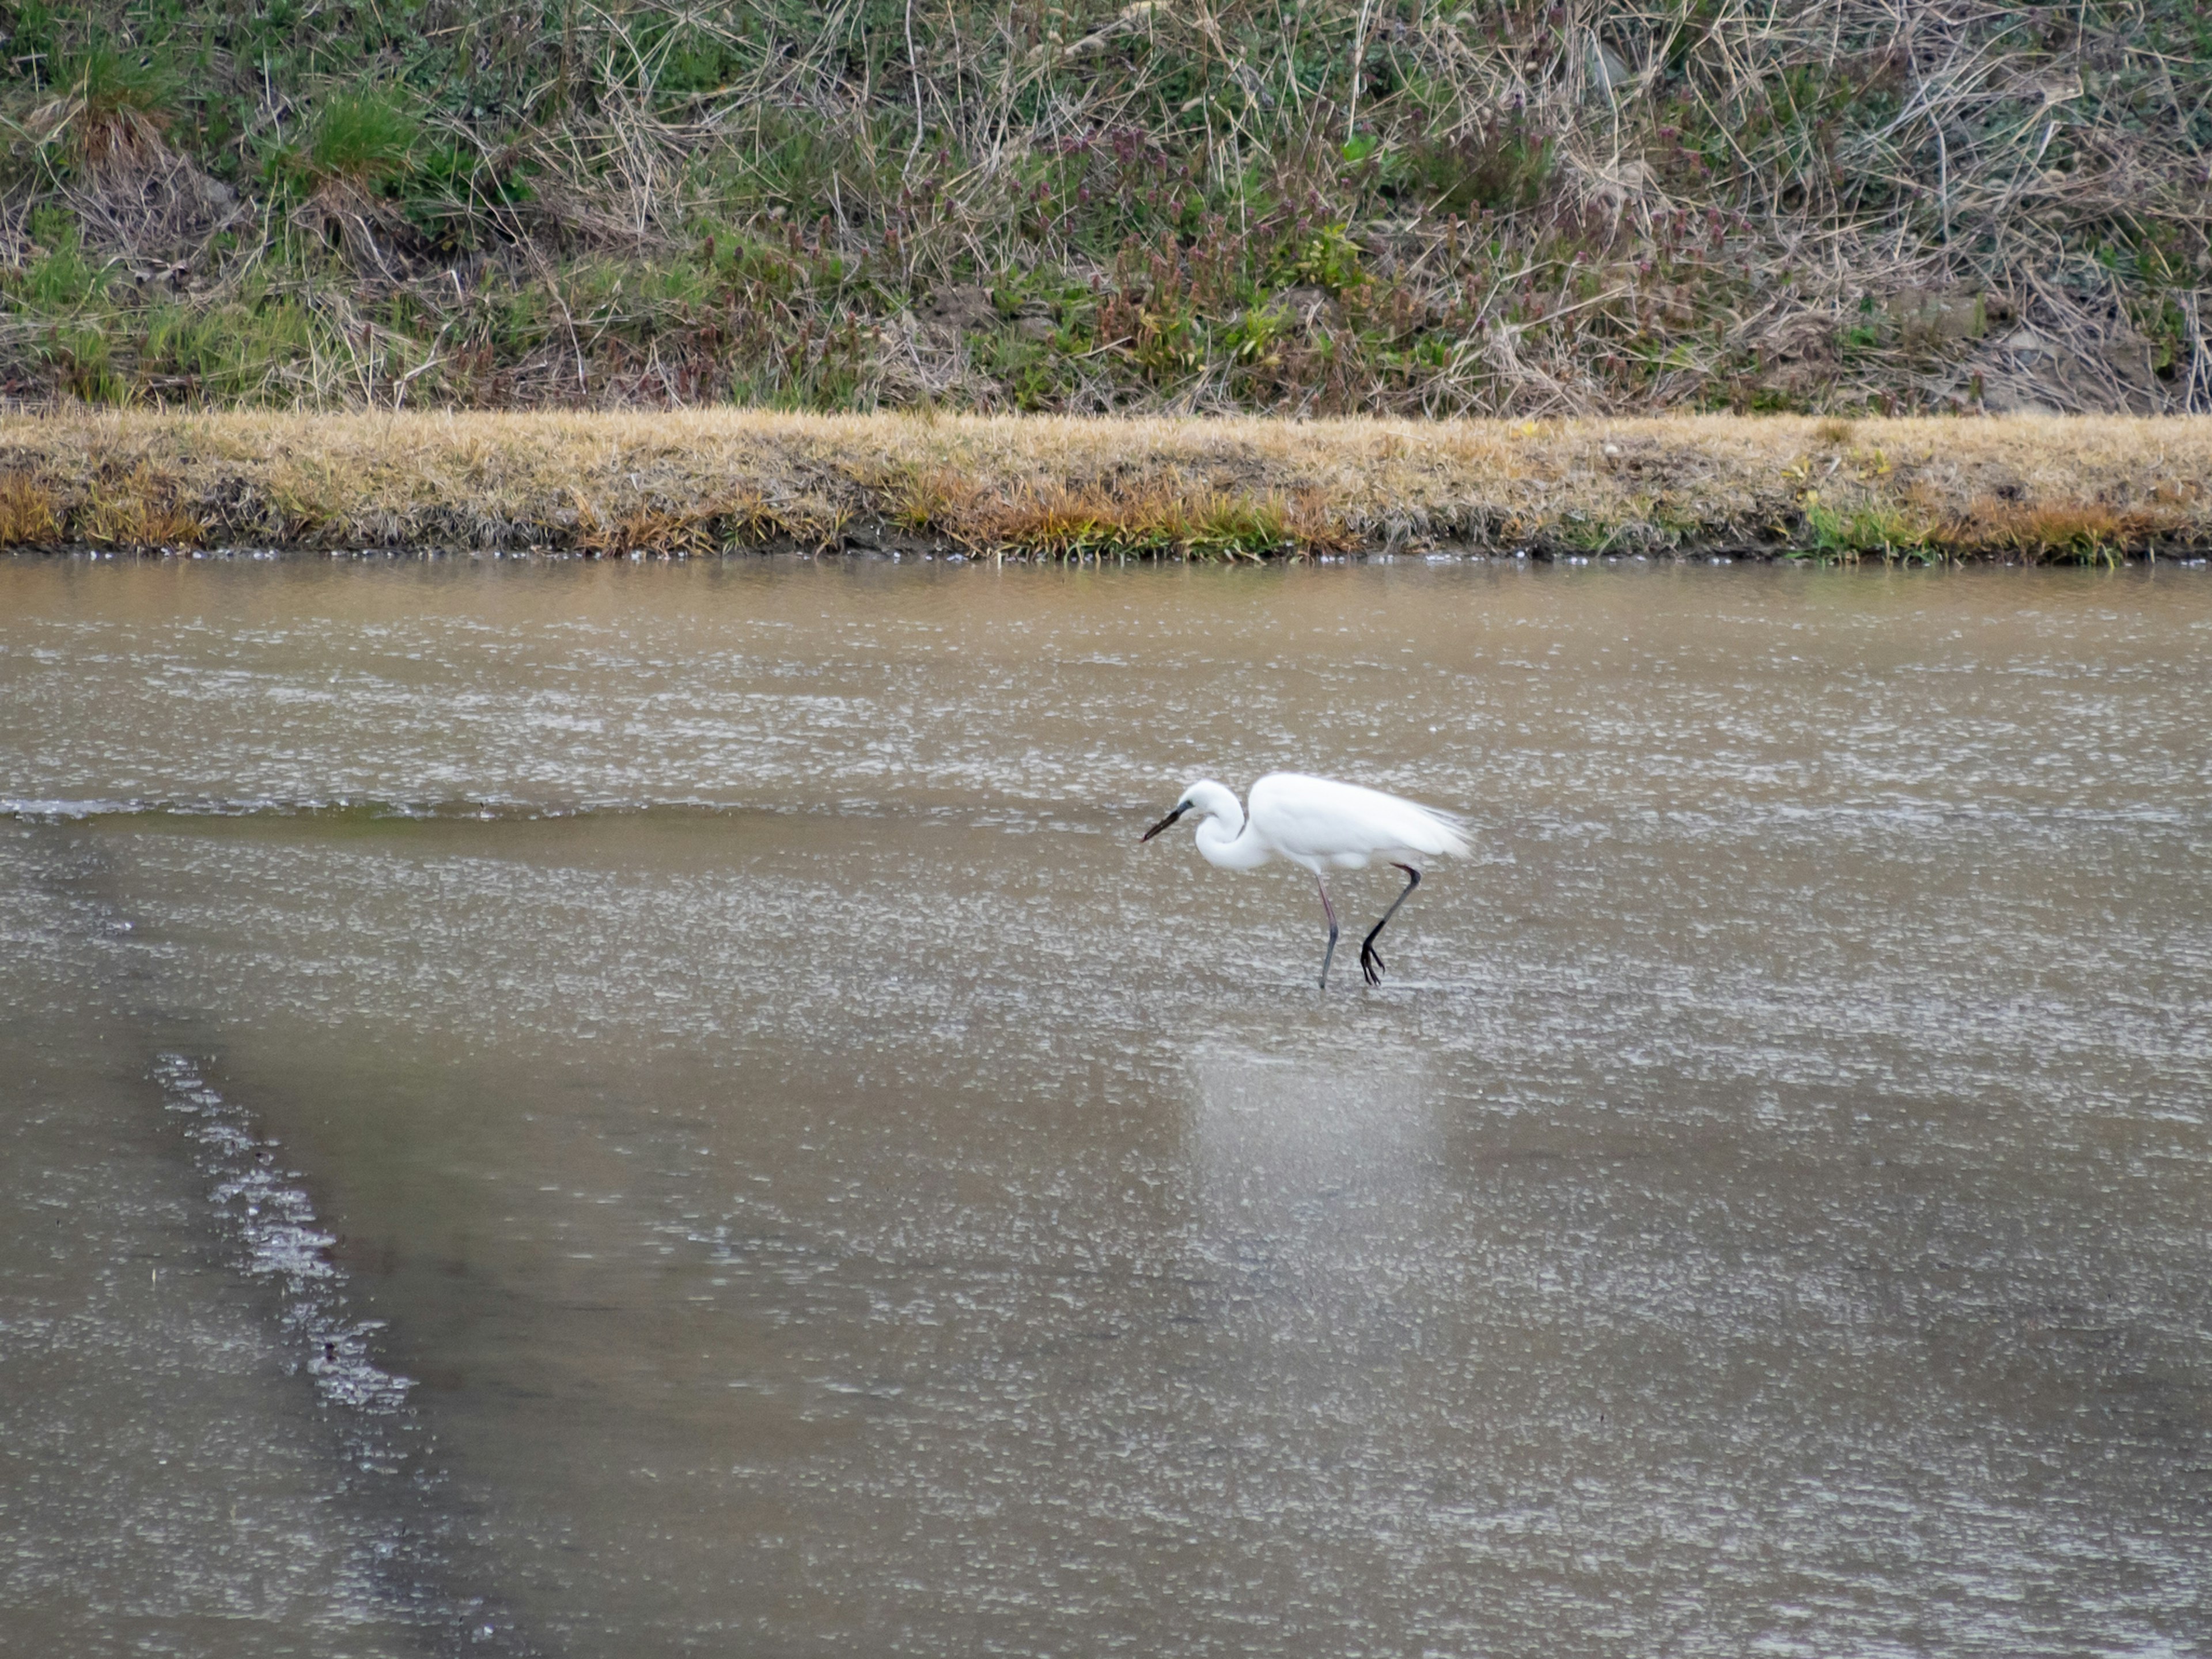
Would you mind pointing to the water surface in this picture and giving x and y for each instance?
(798, 1179)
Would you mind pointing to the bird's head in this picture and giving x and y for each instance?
(1206, 797)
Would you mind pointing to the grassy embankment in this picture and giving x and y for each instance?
(2024, 488)
(1388, 207)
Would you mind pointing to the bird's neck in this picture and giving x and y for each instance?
(1223, 841)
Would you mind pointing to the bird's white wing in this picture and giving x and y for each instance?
(1322, 819)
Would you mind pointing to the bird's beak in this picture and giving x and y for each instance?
(1162, 824)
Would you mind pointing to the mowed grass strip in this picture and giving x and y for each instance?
(2029, 489)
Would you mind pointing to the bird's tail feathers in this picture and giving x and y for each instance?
(1458, 832)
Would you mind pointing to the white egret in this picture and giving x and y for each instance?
(1320, 824)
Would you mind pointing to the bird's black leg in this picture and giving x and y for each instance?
(1370, 961)
(1328, 910)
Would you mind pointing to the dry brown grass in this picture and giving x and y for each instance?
(138, 510)
(29, 516)
(1165, 511)
(2040, 530)
(697, 482)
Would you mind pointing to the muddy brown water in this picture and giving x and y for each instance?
(634, 1111)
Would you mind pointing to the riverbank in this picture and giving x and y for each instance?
(2026, 489)
(1088, 207)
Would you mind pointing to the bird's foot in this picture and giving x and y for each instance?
(1370, 963)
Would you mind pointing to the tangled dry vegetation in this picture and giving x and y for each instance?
(1549, 208)
(2023, 486)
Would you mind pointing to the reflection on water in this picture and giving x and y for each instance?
(828, 1190)
(1276, 1135)
(1316, 1180)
